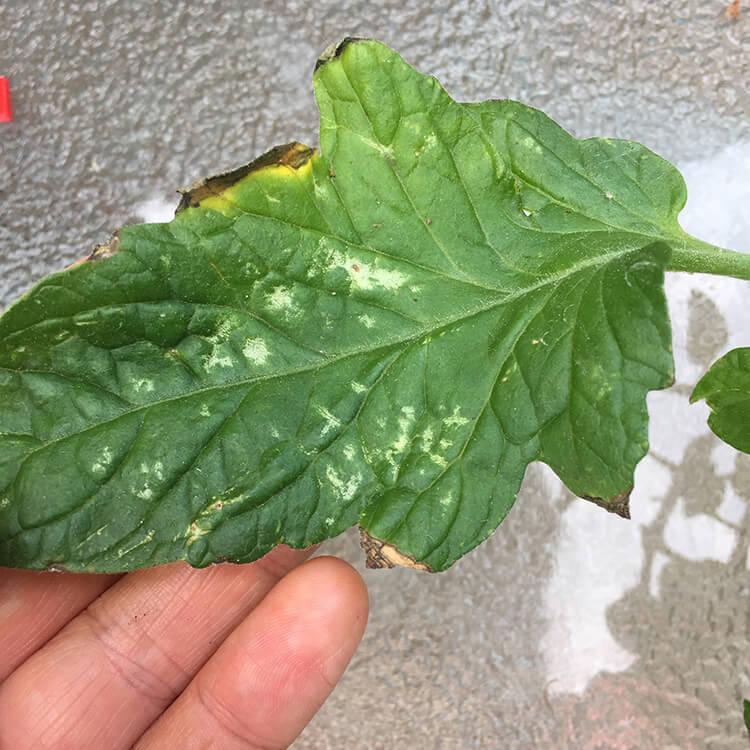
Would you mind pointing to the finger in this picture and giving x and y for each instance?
(276, 669)
(107, 675)
(34, 606)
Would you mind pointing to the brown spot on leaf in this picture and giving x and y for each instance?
(106, 250)
(380, 554)
(619, 504)
(293, 155)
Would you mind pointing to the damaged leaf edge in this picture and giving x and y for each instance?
(334, 50)
(293, 155)
(619, 504)
(381, 554)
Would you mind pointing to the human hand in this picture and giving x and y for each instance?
(173, 657)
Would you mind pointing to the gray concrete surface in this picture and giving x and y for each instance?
(569, 628)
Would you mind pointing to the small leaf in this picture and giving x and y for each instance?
(385, 334)
(726, 388)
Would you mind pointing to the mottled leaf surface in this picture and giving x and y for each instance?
(726, 388)
(386, 334)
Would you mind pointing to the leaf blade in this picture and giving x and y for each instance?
(726, 389)
(378, 335)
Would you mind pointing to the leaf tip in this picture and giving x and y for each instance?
(380, 554)
(334, 50)
(619, 504)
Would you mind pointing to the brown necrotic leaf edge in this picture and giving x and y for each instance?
(293, 155)
(380, 554)
(619, 504)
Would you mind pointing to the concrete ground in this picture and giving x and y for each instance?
(570, 628)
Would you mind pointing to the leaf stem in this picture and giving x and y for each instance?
(696, 256)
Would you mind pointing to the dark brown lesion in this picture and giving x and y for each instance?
(380, 554)
(293, 155)
(619, 504)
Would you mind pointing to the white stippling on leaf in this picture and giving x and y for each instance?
(256, 351)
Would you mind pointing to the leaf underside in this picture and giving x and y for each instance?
(384, 334)
(726, 389)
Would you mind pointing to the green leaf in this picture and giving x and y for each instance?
(746, 714)
(726, 388)
(385, 334)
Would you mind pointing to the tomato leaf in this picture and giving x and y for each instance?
(384, 335)
(726, 388)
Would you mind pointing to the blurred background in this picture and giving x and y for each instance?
(570, 628)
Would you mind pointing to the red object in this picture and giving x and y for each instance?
(6, 115)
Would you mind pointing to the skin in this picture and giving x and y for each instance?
(231, 656)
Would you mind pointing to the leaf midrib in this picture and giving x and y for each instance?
(595, 261)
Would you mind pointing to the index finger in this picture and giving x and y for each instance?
(34, 606)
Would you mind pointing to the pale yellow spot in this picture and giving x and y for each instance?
(143, 385)
(281, 298)
(332, 421)
(369, 277)
(428, 436)
(103, 462)
(223, 330)
(218, 203)
(146, 539)
(401, 443)
(455, 420)
(344, 489)
(215, 360)
(256, 351)
(530, 143)
(194, 532)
